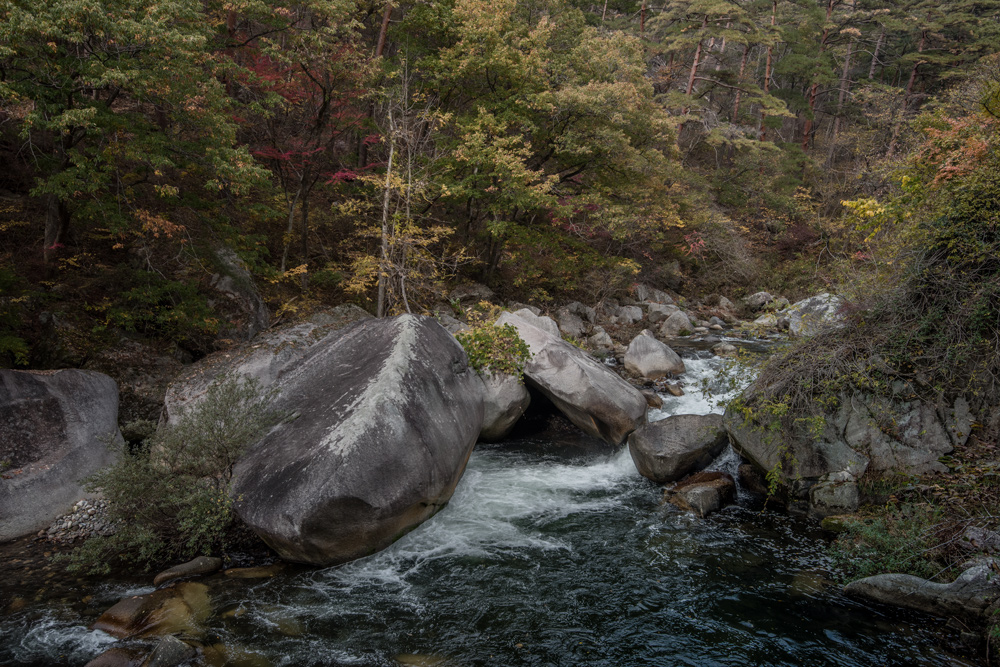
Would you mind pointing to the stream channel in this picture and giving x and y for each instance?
(553, 551)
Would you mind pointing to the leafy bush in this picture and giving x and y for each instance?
(498, 349)
(170, 498)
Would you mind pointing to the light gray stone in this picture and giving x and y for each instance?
(724, 349)
(968, 597)
(835, 493)
(650, 358)
(268, 358)
(571, 324)
(505, 398)
(675, 324)
(546, 324)
(599, 338)
(585, 312)
(55, 430)
(471, 294)
(649, 294)
(590, 395)
(657, 312)
(388, 414)
(629, 314)
(666, 450)
(758, 300)
(812, 315)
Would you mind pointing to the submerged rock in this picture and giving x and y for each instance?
(650, 358)
(666, 450)
(969, 596)
(505, 398)
(169, 652)
(388, 414)
(192, 568)
(703, 493)
(178, 609)
(593, 397)
(55, 428)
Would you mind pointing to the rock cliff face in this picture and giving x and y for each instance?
(55, 427)
(385, 416)
(864, 432)
(589, 394)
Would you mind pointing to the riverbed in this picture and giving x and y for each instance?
(553, 551)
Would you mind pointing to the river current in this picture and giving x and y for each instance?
(553, 551)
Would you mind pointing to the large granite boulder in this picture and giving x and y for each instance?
(55, 428)
(650, 358)
(385, 416)
(543, 322)
(658, 312)
(267, 358)
(666, 450)
(968, 597)
(676, 324)
(881, 434)
(590, 395)
(505, 398)
(810, 315)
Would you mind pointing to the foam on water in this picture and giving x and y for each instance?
(498, 509)
(54, 637)
(705, 391)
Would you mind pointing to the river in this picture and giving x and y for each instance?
(553, 551)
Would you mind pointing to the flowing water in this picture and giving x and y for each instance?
(553, 551)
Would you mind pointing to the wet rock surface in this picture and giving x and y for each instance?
(667, 450)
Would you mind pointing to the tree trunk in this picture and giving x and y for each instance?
(305, 237)
(379, 48)
(845, 83)
(697, 61)
(767, 67)
(814, 90)
(56, 227)
(383, 265)
(291, 225)
(875, 55)
(739, 82)
(906, 100)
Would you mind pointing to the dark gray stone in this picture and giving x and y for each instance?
(666, 450)
(55, 430)
(388, 413)
(246, 314)
(590, 395)
(758, 300)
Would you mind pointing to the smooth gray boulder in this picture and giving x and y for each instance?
(650, 358)
(657, 312)
(629, 314)
(811, 315)
(543, 322)
(590, 395)
(648, 294)
(675, 324)
(571, 324)
(505, 398)
(968, 597)
(385, 417)
(836, 493)
(267, 358)
(758, 300)
(666, 450)
(600, 338)
(55, 428)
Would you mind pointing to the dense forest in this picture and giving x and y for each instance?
(380, 152)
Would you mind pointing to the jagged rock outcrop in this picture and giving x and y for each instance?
(588, 393)
(667, 450)
(385, 417)
(864, 432)
(55, 430)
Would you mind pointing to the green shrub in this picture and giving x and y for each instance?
(498, 349)
(901, 539)
(170, 498)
